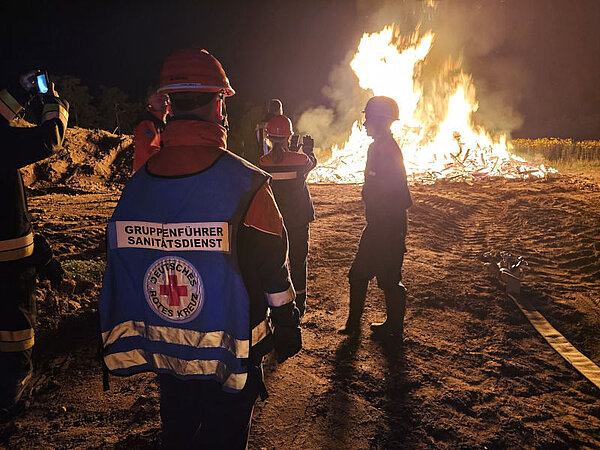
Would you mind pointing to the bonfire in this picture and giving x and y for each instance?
(437, 133)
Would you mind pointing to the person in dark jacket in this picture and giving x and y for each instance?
(289, 170)
(382, 244)
(23, 256)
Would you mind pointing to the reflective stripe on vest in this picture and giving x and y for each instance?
(173, 299)
(16, 341)
(122, 362)
(9, 107)
(284, 175)
(12, 249)
(177, 336)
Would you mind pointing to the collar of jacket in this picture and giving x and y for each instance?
(194, 133)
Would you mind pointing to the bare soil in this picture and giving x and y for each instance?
(472, 372)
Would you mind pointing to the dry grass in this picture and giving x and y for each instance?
(560, 153)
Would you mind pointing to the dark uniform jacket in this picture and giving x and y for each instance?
(289, 186)
(385, 192)
(19, 148)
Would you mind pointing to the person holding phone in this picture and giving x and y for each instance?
(23, 256)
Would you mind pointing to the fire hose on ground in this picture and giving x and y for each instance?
(510, 274)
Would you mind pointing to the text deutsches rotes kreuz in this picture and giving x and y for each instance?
(193, 236)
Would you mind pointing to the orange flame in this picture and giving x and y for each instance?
(437, 134)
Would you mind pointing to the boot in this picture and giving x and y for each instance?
(358, 293)
(395, 306)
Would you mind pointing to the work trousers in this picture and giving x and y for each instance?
(198, 414)
(17, 319)
(298, 237)
(380, 253)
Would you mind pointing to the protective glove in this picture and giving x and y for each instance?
(308, 145)
(47, 267)
(54, 272)
(294, 145)
(55, 107)
(287, 335)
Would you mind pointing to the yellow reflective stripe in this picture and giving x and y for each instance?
(281, 298)
(55, 111)
(10, 102)
(12, 255)
(132, 358)
(12, 244)
(284, 175)
(15, 341)
(12, 249)
(260, 331)
(213, 339)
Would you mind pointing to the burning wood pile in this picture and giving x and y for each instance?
(439, 137)
(464, 166)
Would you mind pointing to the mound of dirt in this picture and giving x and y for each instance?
(90, 160)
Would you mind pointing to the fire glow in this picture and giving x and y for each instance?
(438, 137)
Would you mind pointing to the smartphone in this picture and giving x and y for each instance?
(42, 83)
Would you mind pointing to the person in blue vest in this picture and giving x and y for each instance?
(289, 169)
(196, 287)
(23, 256)
(382, 244)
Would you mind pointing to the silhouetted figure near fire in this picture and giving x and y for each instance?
(382, 244)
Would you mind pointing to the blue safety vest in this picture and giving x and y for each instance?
(173, 299)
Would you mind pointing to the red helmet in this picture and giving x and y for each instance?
(280, 126)
(195, 70)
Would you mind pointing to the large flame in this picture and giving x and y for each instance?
(436, 133)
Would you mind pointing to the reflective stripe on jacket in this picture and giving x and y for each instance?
(289, 186)
(173, 299)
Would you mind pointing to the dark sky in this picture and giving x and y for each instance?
(535, 62)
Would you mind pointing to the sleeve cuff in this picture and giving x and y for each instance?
(55, 111)
(277, 299)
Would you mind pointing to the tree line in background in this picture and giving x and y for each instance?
(113, 110)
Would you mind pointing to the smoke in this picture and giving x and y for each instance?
(331, 124)
(472, 34)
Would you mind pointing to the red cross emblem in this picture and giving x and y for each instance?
(173, 290)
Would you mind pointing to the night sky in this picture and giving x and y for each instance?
(536, 63)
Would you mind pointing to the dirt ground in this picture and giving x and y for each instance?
(472, 371)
